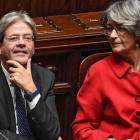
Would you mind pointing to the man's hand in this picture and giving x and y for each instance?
(21, 77)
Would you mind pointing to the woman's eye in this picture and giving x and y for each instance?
(109, 29)
(120, 28)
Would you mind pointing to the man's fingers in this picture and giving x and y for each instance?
(29, 64)
(14, 64)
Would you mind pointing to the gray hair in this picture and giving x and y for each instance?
(126, 13)
(13, 16)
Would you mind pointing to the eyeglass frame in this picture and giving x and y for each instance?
(116, 29)
(18, 38)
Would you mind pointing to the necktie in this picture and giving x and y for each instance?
(22, 122)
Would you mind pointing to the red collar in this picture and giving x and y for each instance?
(118, 65)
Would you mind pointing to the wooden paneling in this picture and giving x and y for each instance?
(2, 7)
(38, 8)
(91, 5)
(22, 4)
(61, 7)
(10, 5)
(87, 5)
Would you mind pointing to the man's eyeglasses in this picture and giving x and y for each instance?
(120, 30)
(14, 38)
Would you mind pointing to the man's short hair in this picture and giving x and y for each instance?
(13, 16)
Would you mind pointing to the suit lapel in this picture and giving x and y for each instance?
(35, 77)
(6, 100)
(38, 85)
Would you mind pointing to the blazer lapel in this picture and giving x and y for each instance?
(38, 85)
(35, 79)
(6, 100)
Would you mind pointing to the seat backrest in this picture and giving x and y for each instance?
(87, 62)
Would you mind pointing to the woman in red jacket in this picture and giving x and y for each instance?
(109, 100)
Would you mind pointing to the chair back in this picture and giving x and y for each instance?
(87, 62)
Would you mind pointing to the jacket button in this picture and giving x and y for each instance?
(34, 120)
(137, 98)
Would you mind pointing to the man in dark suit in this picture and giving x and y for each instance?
(35, 84)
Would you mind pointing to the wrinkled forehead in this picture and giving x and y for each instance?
(19, 28)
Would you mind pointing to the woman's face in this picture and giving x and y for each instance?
(121, 43)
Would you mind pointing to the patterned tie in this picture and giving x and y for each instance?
(22, 122)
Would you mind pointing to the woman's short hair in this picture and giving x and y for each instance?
(124, 12)
(13, 16)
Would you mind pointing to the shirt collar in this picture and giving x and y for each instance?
(7, 75)
(118, 65)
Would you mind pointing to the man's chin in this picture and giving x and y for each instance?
(21, 61)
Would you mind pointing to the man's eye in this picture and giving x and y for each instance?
(27, 38)
(13, 38)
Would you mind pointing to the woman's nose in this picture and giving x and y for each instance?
(114, 34)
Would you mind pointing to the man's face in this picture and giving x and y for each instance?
(21, 49)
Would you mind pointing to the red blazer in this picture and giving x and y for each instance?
(108, 102)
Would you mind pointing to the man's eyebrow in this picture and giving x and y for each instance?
(14, 35)
(27, 34)
(19, 35)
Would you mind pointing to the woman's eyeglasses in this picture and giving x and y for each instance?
(120, 30)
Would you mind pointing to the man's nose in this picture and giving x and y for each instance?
(21, 40)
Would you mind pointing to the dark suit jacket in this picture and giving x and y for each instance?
(43, 119)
